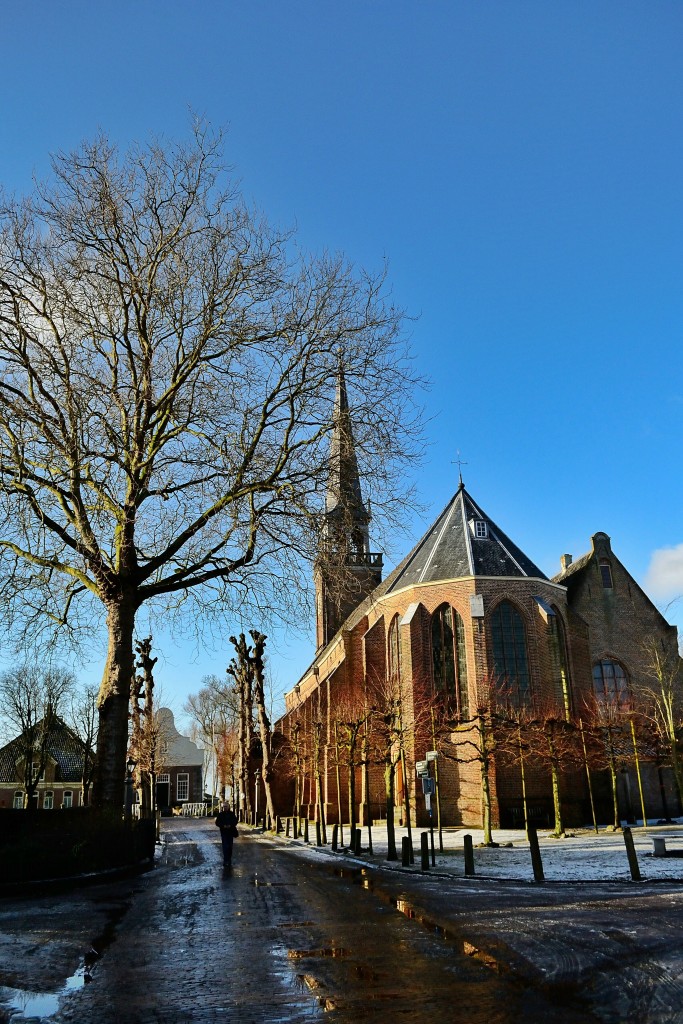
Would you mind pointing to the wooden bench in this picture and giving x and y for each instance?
(659, 842)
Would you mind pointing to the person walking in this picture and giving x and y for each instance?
(226, 821)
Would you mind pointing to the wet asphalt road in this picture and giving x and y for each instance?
(284, 939)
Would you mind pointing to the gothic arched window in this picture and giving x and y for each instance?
(558, 657)
(394, 646)
(510, 659)
(610, 683)
(449, 658)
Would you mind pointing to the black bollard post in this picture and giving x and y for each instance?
(356, 846)
(632, 856)
(295, 828)
(306, 839)
(278, 824)
(431, 841)
(469, 856)
(335, 829)
(287, 828)
(534, 848)
(405, 852)
(318, 834)
(424, 851)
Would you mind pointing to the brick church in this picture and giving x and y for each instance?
(464, 613)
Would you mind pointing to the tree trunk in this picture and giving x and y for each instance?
(113, 704)
(557, 802)
(390, 802)
(485, 782)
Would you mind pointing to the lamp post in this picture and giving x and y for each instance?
(128, 792)
(257, 779)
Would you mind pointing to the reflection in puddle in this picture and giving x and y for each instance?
(334, 951)
(23, 1004)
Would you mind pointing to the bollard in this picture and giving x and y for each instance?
(424, 851)
(632, 857)
(306, 839)
(469, 856)
(318, 836)
(287, 828)
(278, 824)
(335, 829)
(356, 843)
(295, 828)
(535, 850)
(405, 852)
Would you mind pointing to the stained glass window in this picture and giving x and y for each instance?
(449, 658)
(510, 659)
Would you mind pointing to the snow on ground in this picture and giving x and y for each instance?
(581, 856)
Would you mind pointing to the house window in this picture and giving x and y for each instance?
(610, 683)
(481, 529)
(68, 798)
(449, 658)
(36, 773)
(164, 778)
(48, 801)
(18, 800)
(510, 659)
(606, 574)
(183, 785)
(394, 650)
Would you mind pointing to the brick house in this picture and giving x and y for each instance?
(61, 782)
(467, 612)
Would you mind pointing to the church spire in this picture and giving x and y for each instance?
(347, 571)
(343, 486)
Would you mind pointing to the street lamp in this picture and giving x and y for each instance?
(128, 792)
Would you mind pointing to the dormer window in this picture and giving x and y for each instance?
(481, 529)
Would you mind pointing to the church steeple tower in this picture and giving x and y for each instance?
(347, 570)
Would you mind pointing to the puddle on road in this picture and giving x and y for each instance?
(362, 877)
(23, 1004)
(333, 951)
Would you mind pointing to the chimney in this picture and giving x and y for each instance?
(565, 561)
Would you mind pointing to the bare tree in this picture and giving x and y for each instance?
(167, 365)
(214, 710)
(32, 698)
(82, 720)
(661, 700)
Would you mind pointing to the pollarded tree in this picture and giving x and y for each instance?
(167, 370)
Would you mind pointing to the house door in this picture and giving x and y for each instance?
(163, 795)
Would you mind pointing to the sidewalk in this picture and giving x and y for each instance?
(581, 856)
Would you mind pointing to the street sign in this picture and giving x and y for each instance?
(428, 786)
(422, 768)
(432, 755)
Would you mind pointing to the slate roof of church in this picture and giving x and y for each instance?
(450, 549)
(63, 746)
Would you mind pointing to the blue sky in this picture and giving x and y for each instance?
(520, 166)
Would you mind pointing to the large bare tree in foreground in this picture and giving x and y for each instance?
(167, 367)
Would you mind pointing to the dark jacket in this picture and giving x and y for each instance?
(226, 819)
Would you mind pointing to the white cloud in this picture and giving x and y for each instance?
(664, 578)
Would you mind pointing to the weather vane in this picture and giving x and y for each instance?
(459, 463)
